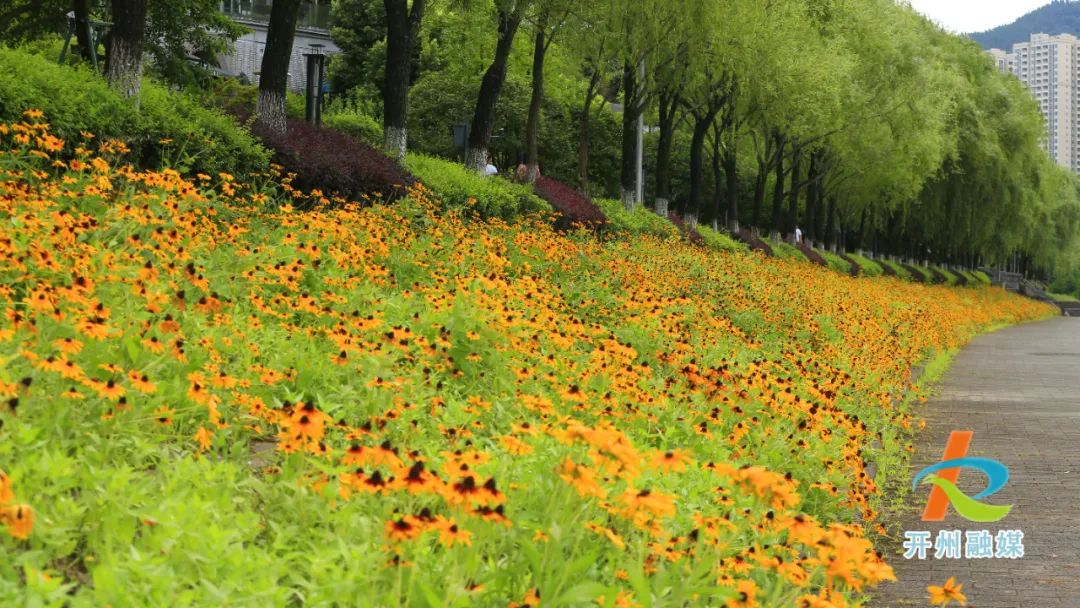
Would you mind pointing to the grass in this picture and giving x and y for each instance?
(210, 395)
(1060, 297)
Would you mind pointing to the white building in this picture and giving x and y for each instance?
(312, 35)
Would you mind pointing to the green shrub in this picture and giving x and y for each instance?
(75, 100)
(923, 274)
(835, 262)
(951, 277)
(720, 240)
(785, 251)
(231, 93)
(361, 126)
(867, 267)
(896, 269)
(639, 221)
(980, 277)
(455, 186)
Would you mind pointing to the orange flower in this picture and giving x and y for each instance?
(6, 495)
(19, 520)
(672, 461)
(204, 437)
(947, 593)
(450, 534)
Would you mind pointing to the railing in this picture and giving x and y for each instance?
(313, 15)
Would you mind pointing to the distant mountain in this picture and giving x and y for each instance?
(1058, 17)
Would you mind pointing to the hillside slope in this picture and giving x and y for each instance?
(1058, 17)
(212, 398)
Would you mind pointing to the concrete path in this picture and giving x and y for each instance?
(1019, 391)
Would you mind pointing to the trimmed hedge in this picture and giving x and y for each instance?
(360, 126)
(867, 267)
(462, 188)
(893, 269)
(641, 220)
(75, 100)
(720, 240)
(336, 163)
(835, 262)
(785, 251)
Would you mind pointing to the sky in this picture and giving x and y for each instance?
(967, 16)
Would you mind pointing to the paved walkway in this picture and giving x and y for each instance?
(1019, 391)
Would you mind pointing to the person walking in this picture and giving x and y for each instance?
(798, 235)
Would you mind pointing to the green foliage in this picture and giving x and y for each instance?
(897, 269)
(836, 262)
(785, 251)
(639, 221)
(359, 125)
(181, 35)
(75, 99)
(867, 267)
(719, 240)
(950, 276)
(461, 188)
(359, 30)
(923, 273)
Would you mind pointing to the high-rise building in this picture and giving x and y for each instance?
(1050, 68)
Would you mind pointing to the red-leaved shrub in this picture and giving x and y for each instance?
(572, 206)
(333, 162)
(688, 231)
(812, 255)
(754, 242)
(856, 268)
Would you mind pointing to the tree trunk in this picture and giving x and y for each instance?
(793, 196)
(830, 215)
(483, 122)
(811, 198)
(532, 126)
(126, 48)
(731, 174)
(274, 77)
(583, 132)
(702, 124)
(402, 29)
(778, 187)
(719, 209)
(631, 109)
(668, 108)
(759, 193)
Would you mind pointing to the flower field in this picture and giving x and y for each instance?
(210, 398)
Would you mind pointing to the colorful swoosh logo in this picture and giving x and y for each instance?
(966, 506)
